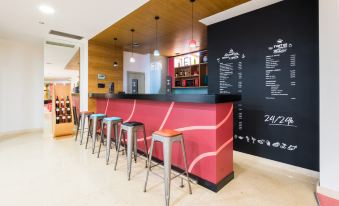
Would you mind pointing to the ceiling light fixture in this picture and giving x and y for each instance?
(132, 59)
(46, 9)
(192, 42)
(115, 64)
(156, 52)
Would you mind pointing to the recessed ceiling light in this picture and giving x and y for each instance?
(46, 9)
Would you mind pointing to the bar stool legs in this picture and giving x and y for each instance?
(82, 120)
(89, 132)
(149, 163)
(121, 135)
(167, 149)
(167, 137)
(130, 144)
(94, 134)
(81, 124)
(185, 163)
(131, 128)
(78, 126)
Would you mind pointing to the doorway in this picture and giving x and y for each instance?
(140, 76)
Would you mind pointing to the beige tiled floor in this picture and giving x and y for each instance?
(37, 170)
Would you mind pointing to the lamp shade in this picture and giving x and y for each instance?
(156, 53)
(193, 43)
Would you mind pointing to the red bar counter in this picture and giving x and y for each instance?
(205, 120)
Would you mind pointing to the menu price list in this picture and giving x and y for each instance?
(280, 71)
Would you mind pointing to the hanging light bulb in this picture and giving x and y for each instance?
(192, 43)
(156, 51)
(132, 59)
(115, 63)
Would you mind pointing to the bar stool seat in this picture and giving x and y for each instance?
(109, 122)
(167, 133)
(98, 116)
(111, 119)
(167, 137)
(133, 124)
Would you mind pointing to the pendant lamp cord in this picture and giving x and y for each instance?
(132, 43)
(192, 18)
(156, 34)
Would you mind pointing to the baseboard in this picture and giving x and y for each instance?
(20, 132)
(328, 192)
(279, 165)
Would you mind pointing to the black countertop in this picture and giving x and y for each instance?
(193, 98)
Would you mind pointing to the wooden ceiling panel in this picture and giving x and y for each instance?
(174, 26)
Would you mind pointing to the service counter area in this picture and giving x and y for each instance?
(205, 120)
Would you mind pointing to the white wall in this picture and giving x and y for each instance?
(84, 75)
(146, 63)
(142, 64)
(21, 85)
(329, 94)
(160, 64)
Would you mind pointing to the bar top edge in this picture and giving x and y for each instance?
(188, 98)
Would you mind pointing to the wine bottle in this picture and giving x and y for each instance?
(67, 102)
(68, 110)
(69, 118)
(63, 119)
(62, 101)
(57, 102)
(57, 119)
(57, 111)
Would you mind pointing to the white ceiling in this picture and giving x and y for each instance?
(80, 17)
(19, 20)
(55, 61)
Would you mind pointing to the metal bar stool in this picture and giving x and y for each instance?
(167, 137)
(82, 118)
(94, 119)
(131, 128)
(109, 122)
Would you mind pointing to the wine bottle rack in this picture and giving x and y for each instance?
(63, 124)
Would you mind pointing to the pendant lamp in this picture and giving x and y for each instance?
(115, 64)
(192, 42)
(156, 51)
(132, 59)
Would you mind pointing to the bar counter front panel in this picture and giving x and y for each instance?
(207, 129)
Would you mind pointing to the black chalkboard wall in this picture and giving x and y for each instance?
(270, 56)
